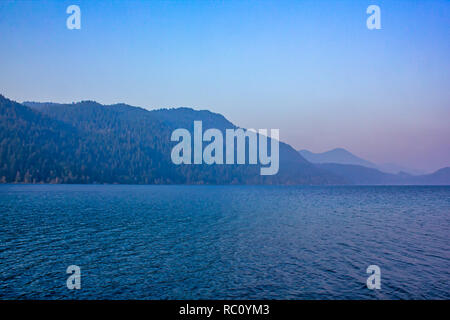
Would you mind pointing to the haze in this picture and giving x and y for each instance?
(310, 68)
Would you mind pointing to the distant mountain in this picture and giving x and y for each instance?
(342, 156)
(360, 175)
(338, 155)
(395, 168)
(87, 142)
(440, 177)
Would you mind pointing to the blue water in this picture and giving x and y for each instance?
(224, 242)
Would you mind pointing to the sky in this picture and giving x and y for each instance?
(309, 68)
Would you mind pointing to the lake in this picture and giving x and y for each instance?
(224, 242)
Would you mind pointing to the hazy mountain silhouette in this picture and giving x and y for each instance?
(343, 156)
(396, 168)
(439, 177)
(338, 155)
(360, 175)
(87, 142)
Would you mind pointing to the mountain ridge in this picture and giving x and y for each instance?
(336, 155)
(87, 142)
(125, 144)
(343, 156)
(360, 175)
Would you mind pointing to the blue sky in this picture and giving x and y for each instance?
(310, 68)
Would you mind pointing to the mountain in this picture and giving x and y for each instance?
(87, 142)
(338, 155)
(35, 148)
(342, 156)
(360, 175)
(395, 168)
(439, 177)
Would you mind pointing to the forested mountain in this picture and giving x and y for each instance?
(35, 148)
(87, 142)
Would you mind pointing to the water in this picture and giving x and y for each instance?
(224, 242)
